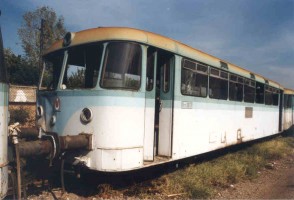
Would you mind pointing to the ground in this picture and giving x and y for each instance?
(275, 181)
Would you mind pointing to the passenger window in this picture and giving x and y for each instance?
(259, 93)
(236, 88)
(218, 84)
(194, 79)
(150, 69)
(275, 96)
(122, 66)
(82, 67)
(287, 101)
(268, 95)
(249, 91)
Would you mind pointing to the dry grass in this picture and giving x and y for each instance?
(203, 179)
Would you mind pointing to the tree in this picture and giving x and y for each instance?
(30, 32)
(20, 71)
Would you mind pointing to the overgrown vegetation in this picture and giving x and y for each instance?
(19, 115)
(203, 179)
(24, 114)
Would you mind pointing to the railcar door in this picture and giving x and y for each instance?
(165, 97)
(150, 105)
(159, 104)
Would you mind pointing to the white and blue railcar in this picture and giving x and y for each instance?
(3, 124)
(147, 99)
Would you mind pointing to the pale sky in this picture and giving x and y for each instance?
(257, 35)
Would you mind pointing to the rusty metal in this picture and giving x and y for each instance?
(35, 148)
(49, 145)
(18, 169)
(75, 142)
(29, 132)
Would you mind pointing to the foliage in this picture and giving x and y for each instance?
(29, 33)
(76, 79)
(20, 115)
(203, 179)
(20, 71)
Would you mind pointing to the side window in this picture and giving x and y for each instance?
(218, 84)
(275, 96)
(268, 95)
(249, 91)
(289, 102)
(150, 69)
(259, 93)
(285, 100)
(194, 79)
(236, 88)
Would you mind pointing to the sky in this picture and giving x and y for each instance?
(257, 35)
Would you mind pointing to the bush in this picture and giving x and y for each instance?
(19, 115)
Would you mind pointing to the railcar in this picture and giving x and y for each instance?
(146, 99)
(3, 124)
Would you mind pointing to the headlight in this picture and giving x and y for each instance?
(86, 115)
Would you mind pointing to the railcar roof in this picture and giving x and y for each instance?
(288, 91)
(152, 39)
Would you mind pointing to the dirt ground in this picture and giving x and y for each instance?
(276, 181)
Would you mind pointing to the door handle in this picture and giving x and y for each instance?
(160, 105)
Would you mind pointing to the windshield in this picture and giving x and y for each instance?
(82, 67)
(51, 71)
(122, 66)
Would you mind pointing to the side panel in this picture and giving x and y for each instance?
(208, 125)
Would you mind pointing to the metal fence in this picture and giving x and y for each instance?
(22, 94)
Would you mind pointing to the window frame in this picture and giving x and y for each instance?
(239, 80)
(99, 47)
(221, 77)
(195, 72)
(250, 83)
(103, 67)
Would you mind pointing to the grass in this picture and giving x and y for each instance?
(201, 180)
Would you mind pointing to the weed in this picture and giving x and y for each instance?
(202, 180)
(19, 115)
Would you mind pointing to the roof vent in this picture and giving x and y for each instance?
(224, 65)
(252, 76)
